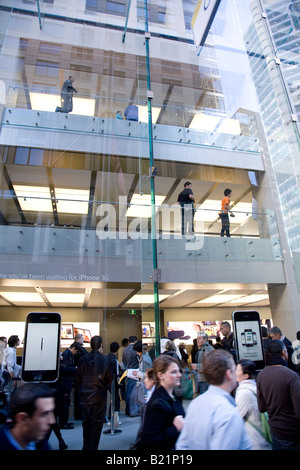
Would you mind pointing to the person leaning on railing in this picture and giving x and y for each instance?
(224, 213)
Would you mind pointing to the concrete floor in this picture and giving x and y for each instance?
(108, 441)
(117, 441)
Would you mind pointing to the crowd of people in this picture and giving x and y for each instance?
(234, 406)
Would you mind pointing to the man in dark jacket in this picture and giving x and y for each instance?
(32, 416)
(228, 339)
(92, 379)
(275, 333)
(79, 340)
(64, 385)
(67, 96)
(114, 369)
(278, 393)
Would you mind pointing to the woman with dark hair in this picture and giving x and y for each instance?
(194, 350)
(246, 401)
(164, 412)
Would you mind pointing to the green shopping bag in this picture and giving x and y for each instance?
(187, 386)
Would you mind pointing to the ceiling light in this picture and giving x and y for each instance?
(72, 201)
(66, 298)
(140, 205)
(34, 198)
(16, 297)
(242, 212)
(208, 211)
(230, 126)
(218, 299)
(49, 102)
(83, 106)
(204, 122)
(38, 199)
(250, 299)
(145, 299)
(44, 101)
(143, 114)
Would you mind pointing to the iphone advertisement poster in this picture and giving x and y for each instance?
(249, 343)
(41, 347)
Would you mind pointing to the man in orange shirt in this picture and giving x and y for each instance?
(224, 212)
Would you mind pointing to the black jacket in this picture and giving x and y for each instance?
(92, 378)
(184, 197)
(158, 431)
(67, 371)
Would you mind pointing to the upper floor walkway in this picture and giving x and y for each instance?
(201, 136)
(94, 255)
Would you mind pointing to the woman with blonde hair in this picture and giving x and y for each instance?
(171, 350)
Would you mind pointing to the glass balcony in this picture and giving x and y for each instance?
(98, 115)
(103, 230)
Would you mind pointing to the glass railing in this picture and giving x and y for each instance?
(173, 123)
(105, 229)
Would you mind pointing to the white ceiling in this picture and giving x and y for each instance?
(52, 293)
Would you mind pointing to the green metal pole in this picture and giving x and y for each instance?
(39, 13)
(126, 22)
(152, 182)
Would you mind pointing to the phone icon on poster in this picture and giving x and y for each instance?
(248, 338)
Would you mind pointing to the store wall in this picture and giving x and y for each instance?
(68, 314)
(200, 314)
(114, 326)
(208, 314)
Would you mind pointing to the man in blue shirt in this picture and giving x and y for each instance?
(32, 417)
(131, 113)
(212, 421)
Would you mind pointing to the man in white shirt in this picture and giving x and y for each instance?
(10, 357)
(212, 421)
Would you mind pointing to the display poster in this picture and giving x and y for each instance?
(68, 331)
(41, 346)
(148, 330)
(248, 339)
(186, 332)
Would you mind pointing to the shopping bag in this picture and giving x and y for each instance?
(187, 386)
